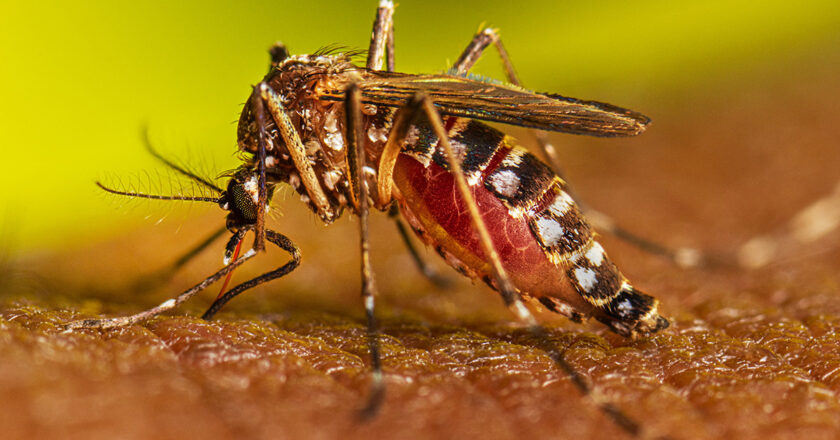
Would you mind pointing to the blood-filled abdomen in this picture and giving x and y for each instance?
(543, 241)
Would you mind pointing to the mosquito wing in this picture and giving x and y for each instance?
(489, 101)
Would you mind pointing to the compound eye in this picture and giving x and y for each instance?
(243, 200)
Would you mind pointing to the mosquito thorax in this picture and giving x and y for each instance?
(300, 80)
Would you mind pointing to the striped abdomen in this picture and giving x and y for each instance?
(545, 245)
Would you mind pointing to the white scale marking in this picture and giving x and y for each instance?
(523, 313)
(331, 178)
(294, 180)
(412, 139)
(505, 182)
(550, 231)
(586, 278)
(513, 159)
(334, 141)
(474, 179)
(250, 187)
(561, 204)
(377, 134)
(458, 148)
(595, 254)
(412, 136)
(331, 123)
(369, 172)
(624, 308)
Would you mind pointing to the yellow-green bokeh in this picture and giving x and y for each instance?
(78, 79)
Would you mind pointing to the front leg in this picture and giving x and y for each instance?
(123, 321)
(265, 95)
(280, 241)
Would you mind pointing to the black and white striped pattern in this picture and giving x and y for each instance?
(532, 191)
(558, 224)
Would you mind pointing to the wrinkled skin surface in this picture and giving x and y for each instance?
(750, 354)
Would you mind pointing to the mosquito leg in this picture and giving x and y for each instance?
(259, 117)
(681, 256)
(382, 37)
(509, 294)
(387, 162)
(265, 95)
(389, 49)
(353, 112)
(475, 49)
(470, 56)
(282, 242)
(684, 257)
(425, 268)
(391, 151)
(106, 323)
(159, 277)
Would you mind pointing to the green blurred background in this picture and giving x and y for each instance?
(78, 79)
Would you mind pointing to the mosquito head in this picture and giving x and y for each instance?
(242, 199)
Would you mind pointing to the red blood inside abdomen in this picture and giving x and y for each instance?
(432, 198)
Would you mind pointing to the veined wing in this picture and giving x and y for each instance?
(495, 102)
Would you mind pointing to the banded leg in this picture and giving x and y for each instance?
(509, 294)
(106, 323)
(353, 113)
(278, 239)
(382, 38)
(684, 257)
(425, 268)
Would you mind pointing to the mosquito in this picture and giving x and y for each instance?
(357, 138)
